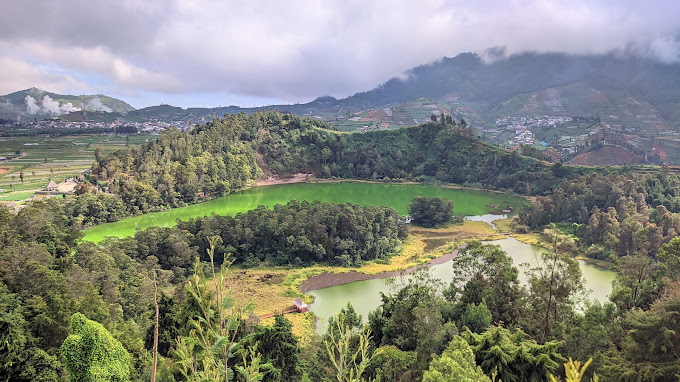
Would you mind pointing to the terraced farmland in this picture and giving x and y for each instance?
(41, 158)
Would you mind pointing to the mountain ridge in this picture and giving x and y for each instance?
(35, 103)
(465, 86)
(471, 79)
(468, 78)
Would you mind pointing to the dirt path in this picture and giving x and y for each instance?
(272, 180)
(451, 186)
(326, 280)
(4, 170)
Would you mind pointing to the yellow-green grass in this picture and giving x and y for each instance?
(505, 226)
(15, 196)
(274, 289)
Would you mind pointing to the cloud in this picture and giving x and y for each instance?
(49, 106)
(18, 74)
(667, 49)
(99, 61)
(299, 50)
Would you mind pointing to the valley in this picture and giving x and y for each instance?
(180, 216)
(571, 103)
(281, 191)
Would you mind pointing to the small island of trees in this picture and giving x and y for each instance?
(430, 212)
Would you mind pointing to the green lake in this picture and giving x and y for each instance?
(398, 196)
(365, 295)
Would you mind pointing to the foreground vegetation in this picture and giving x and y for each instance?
(57, 292)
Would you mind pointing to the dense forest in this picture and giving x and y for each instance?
(298, 233)
(430, 212)
(47, 276)
(417, 333)
(72, 310)
(225, 154)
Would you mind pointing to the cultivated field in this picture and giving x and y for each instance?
(41, 158)
(606, 156)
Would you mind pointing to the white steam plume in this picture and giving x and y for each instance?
(53, 107)
(31, 105)
(96, 104)
(48, 106)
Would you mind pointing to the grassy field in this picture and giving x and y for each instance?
(15, 196)
(43, 158)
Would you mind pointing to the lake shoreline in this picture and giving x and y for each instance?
(326, 280)
(295, 178)
(539, 242)
(470, 202)
(413, 182)
(365, 295)
(310, 178)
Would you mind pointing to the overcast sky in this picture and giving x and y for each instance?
(210, 53)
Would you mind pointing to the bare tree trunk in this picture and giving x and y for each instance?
(546, 327)
(155, 331)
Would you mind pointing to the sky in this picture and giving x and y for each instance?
(250, 53)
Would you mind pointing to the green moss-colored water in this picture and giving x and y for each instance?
(398, 196)
(365, 295)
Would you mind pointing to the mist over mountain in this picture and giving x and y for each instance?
(470, 79)
(489, 85)
(27, 105)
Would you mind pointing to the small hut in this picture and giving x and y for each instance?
(300, 306)
(51, 186)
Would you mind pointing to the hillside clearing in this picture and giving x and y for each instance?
(607, 155)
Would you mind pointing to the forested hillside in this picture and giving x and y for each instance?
(439, 152)
(215, 159)
(474, 79)
(225, 154)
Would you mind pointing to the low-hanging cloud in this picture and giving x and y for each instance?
(667, 49)
(96, 104)
(48, 106)
(294, 50)
(31, 106)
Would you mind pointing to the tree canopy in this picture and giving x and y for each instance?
(430, 212)
(92, 354)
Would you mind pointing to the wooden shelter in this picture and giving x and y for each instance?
(51, 186)
(300, 306)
